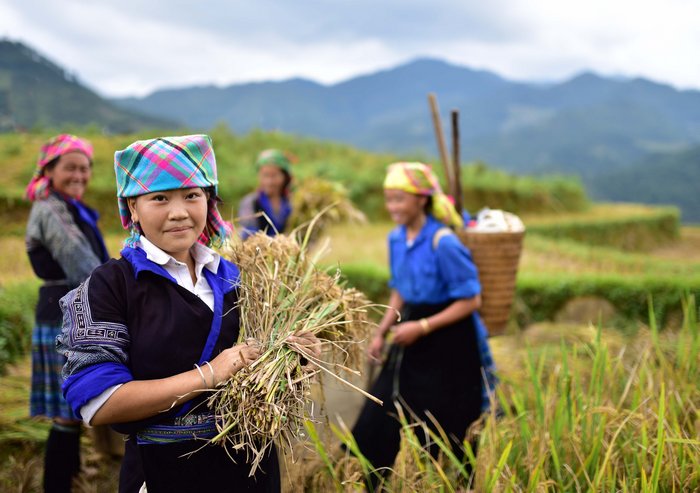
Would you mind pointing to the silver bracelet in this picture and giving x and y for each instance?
(201, 374)
(211, 369)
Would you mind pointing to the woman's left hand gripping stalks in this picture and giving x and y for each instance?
(307, 345)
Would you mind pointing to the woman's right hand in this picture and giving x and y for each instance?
(233, 359)
(374, 350)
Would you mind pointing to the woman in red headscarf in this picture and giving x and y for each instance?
(64, 245)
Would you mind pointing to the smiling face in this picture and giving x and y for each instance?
(171, 220)
(70, 175)
(403, 207)
(272, 180)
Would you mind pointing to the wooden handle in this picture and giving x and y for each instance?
(440, 139)
(456, 163)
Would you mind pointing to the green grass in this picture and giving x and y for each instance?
(544, 295)
(522, 194)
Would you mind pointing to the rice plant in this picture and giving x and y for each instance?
(594, 416)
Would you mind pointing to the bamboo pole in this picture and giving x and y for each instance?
(440, 138)
(456, 163)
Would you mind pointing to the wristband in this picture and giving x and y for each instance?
(424, 325)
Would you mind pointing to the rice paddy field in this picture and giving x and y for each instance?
(582, 406)
(599, 387)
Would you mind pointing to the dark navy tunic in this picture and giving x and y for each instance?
(132, 321)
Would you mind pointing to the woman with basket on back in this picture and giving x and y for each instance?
(438, 356)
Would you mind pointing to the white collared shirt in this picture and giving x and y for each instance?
(204, 258)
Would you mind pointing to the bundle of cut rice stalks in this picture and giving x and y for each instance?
(313, 195)
(281, 293)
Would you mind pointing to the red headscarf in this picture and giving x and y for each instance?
(38, 187)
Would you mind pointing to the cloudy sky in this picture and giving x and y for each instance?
(132, 47)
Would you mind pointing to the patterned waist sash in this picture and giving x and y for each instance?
(180, 429)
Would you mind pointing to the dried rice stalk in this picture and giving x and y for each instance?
(314, 195)
(283, 292)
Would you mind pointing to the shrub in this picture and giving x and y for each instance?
(642, 228)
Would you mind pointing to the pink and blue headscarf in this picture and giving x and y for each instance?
(169, 163)
(39, 185)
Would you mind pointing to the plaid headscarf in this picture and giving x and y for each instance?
(419, 179)
(169, 163)
(38, 186)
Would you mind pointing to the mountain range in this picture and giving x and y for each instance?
(586, 124)
(618, 135)
(609, 131)
(35, 93)
(668, 178)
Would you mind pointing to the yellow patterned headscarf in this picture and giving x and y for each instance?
(419, 179)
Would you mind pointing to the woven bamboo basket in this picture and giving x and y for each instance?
(496, 255)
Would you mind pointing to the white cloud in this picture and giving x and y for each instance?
(652, 38)
(132, 47)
